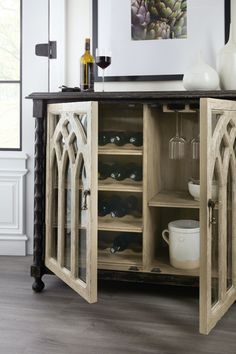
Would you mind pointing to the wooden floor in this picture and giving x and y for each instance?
(128, 319)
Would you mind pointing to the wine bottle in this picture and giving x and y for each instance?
(104, 138)
(104, 171)
(119, 138)
(87, 63)
(136, 138)
(120, 243)
(132, 206)
(118, 172)
(134, 172)
(127, 240)
(104, 207)
(118, 208)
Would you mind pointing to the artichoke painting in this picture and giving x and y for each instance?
(158, 19)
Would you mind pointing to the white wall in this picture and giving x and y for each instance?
(79, 26)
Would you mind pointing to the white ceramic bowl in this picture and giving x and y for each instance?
(194, 190)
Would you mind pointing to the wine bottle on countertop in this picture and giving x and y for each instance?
(136, 138)
(87, 63)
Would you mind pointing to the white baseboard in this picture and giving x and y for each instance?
(13, 245)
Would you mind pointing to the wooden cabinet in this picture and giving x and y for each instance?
(77, 241)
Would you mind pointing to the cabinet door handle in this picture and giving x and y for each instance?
(85, 195)
(211, 206)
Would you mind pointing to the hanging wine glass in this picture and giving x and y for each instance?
(177, 143)
(195, 146)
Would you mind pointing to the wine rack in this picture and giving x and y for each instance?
(131, 256)
(124, 120)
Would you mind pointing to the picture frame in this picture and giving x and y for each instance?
(157, 60)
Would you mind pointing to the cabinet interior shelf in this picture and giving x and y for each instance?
(126, 185)
(128, 149)
(162, 263)
(125, 257)
(127, 223)
(174, 199)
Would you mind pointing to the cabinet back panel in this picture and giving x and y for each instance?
(175, 174)
(121, 117)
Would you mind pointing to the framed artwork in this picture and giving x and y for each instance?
(158, 39)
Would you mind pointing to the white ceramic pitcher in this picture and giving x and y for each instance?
(183, 238)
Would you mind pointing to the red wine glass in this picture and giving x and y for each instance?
(103, 60)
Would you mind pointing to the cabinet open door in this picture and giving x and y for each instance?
(71, 195)
(218, 210)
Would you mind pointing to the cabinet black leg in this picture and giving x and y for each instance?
(38, 285)
(38, 267)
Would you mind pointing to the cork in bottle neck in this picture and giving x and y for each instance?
(87, 44)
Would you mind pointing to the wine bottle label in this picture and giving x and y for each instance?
(87, 77)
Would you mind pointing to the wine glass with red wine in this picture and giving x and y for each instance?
(103, 60)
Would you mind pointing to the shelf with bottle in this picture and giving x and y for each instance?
(120, 212)
(122, 250)
(120, 142)
(118, 173)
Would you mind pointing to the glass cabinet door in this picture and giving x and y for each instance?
(71, 196)
(218, 210)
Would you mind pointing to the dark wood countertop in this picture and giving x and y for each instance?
(130, 96)
(41, 99)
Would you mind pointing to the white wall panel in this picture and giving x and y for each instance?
(12, 204)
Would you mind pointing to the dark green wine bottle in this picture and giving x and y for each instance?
(104, 171)
(118, 172)
(134, 171)
(104, 207)
(126, 240)
(120, 243)
(131, 204)
(103, 138)
(136, 138)
(118, 208)
(119, 138)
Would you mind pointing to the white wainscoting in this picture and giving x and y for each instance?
(12, 204)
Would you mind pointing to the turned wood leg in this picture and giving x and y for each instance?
(38, 267)
(38, 285)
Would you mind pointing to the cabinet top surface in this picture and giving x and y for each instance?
(126, 96)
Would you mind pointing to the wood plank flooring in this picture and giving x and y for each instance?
(128, 319)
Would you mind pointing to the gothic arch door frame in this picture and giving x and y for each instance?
(71, 195)
(218, 210)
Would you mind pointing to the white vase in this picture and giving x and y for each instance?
(201, 76)
(227, 64)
